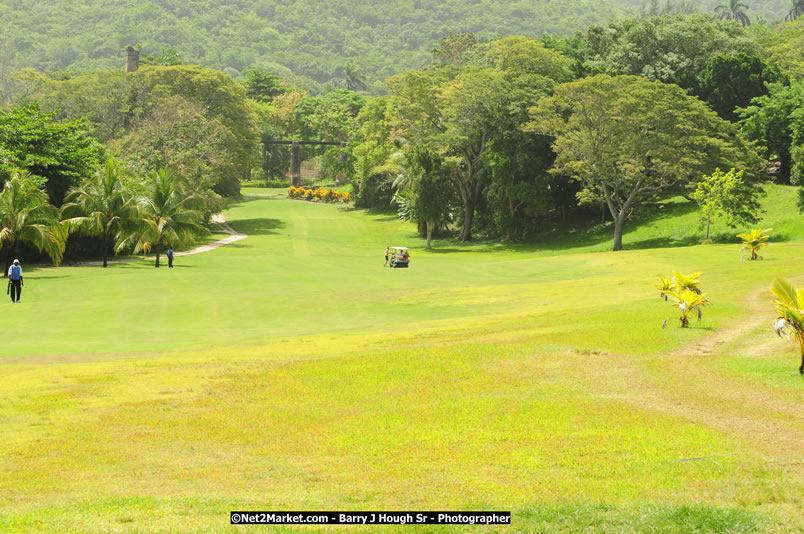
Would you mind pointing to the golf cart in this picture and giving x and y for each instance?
(399, 257)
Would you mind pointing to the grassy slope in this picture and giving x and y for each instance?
(291, 371)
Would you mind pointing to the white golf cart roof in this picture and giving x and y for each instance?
(398, 248)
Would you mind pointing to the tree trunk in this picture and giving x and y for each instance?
(603, 212)
(619, 223)
(468, 216)
(801, 369)
(105, 249)
(708, 221)
(430, 225)
(157, 255)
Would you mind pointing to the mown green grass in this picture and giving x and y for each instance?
(291, 370)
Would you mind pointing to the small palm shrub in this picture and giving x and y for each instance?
(686, 281)
(686, 294)
(789, 322)
(664, 285)
(753, 241)
(688, 301)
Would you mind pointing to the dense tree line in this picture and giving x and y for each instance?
(492, 138)
(530, 130)
(314, 42)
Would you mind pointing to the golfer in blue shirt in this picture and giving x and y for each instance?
(15, 280)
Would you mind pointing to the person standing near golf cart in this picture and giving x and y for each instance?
(15, 281)
(386, 257)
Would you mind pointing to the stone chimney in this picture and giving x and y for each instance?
(132, 59)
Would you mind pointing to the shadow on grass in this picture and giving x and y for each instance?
(44, 277)
(585, 235)
(261, 226)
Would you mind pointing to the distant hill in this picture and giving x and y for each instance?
(313, 38)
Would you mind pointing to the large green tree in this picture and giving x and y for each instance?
(431, 192)
(772, 120)
(727, 194)
(376, 154)
(177, 134)
(263, 86)
(729, 82)
(60, 152)
(628, 139)
(670, 48)
(223, 100)
(520, 191)
(468, 105)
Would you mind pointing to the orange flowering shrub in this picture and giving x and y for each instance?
(318, 194)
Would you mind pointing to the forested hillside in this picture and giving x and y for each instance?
(308, 38)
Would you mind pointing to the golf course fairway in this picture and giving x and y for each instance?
(292, 371)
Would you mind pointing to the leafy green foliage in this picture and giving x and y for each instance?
(212, 111)
(783, 44)
(432, 193)
(377, 158)
(321, 41)
(177, 134)
(263, 86)
(59, 152)
(670, 48)
(727, 194)
(101, 206)
(470, 110)
(167, 216)
(729, 82)
(26, 216)
(627, 139)
(776, 121)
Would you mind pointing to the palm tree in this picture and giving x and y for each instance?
(166, 215)
(664, 285)
(753, 241)
(678, 287)
(687, 301)
(734, 10)
(795, 11)
(686, 281)
(790, 314)
(100, 206)
(26, 216)
(353, 78)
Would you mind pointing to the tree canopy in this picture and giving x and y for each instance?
(627, 139)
